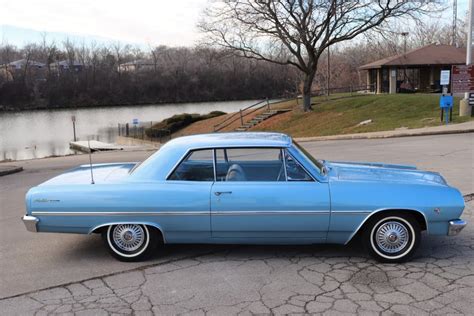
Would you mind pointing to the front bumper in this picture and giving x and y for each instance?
(455, 227)
(30, 223)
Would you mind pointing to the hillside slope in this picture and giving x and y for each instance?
(343, 113)
(342, 116)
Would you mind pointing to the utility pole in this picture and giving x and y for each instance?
(333, 13)
(469, 40)
(465, 109)
(329, 71)
(455, 20)
(404, 34)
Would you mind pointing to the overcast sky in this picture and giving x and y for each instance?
(144, 22)
(138, 21)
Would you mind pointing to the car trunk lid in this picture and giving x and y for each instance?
(102, 173)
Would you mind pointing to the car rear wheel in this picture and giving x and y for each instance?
(131, 242)
(392, 237)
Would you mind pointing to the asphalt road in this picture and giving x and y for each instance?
(30, 262)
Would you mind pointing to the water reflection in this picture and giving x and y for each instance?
(37, 134)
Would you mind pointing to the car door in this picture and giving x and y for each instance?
(254, 197)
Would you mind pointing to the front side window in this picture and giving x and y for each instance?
(294, 171)
(249, 164)
(197, 166)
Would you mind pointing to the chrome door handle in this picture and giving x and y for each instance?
(222, 192)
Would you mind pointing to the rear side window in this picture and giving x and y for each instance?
(197, 166)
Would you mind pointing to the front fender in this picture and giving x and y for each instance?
(354, 202)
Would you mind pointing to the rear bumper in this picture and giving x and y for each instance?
(30, 223)
(455, 227)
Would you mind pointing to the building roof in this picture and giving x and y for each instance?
(424, 56)
(22, 62)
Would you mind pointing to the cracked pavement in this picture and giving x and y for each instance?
(326, 279)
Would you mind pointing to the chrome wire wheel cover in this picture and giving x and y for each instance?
(392, 237)
(128, 237)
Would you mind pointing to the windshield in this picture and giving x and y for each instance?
(316, 162)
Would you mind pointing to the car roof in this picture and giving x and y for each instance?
(159, 165)
(233, 139)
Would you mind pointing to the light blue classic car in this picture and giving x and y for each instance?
(246, 188)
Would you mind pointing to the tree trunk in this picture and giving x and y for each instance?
(307, 84)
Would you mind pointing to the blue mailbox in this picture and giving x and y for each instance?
(446, 102)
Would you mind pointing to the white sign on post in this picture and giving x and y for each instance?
(444, 78)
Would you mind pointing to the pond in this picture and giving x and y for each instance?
(37, 134)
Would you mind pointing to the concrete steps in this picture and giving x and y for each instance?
(259, 118)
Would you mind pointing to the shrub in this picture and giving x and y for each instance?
(176, 122)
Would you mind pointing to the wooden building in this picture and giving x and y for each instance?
(417, 70)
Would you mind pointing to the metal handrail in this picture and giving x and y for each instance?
(238, 116)
(350, 88)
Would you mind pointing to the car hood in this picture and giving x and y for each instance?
(103, 173)
(357, 171)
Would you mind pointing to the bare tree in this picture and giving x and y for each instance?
(296, 32)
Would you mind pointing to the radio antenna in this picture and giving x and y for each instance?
(90, 160)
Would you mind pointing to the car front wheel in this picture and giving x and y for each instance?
(131, 242)
(392, 237)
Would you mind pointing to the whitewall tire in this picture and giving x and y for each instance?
(130, 242)
(392, 237)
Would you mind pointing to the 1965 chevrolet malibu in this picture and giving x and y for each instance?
(257, 188)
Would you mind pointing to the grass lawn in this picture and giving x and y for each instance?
(341, 116)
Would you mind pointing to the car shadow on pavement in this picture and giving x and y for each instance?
(438, 247)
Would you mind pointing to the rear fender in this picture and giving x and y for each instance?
(92, 230)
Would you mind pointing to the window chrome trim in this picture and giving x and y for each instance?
(212, 147)
(283, 158)
(214, 163)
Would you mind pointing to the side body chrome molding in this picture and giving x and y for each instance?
(200, 213)
(191, 213)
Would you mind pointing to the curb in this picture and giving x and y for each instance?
(355, 136)
(10, 170)
(469, 197)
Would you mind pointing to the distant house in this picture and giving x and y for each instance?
(18, 67)
(137, 65)
(22, 63)
(67, 65)
(416, 70)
